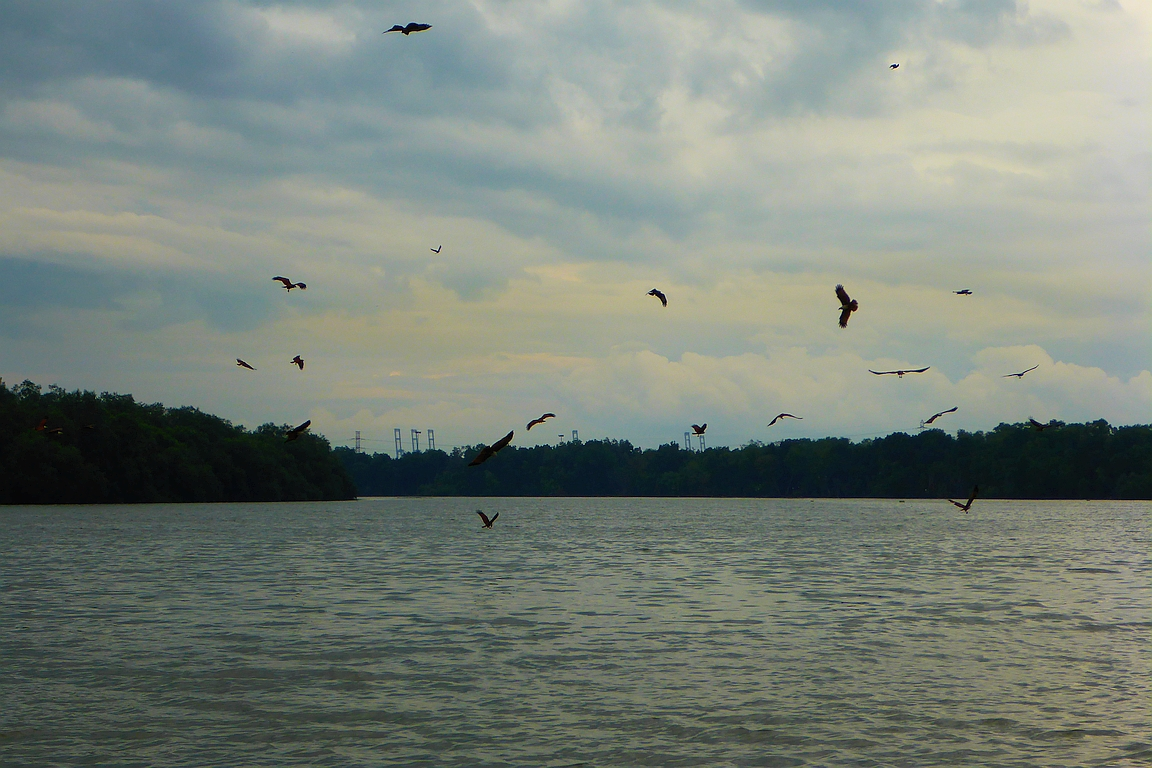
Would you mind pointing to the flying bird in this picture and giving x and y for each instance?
(89, 426)
(40, 427)
(893, 66)
(489, 451)
(660, 295)
(298, 361)
(289, 285)
(783, 416)
(409, 29)
(847, 305)
(55, 431)
(935, 416)
(484, 517)
(1021, 374)
(963, 292)
(241, 364)
(437, 250)
(295, 432)
(899, 374)
(540, 420)
(698, 429)
(968, 504)
(1037, 425)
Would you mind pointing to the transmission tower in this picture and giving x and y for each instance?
(416, 441)
(399, 445)
(687, 442)
(431, 440)
(575, 436)
(357, 448)
(702, 446)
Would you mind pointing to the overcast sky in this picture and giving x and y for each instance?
(161, 161)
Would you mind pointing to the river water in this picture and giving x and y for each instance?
(597, 632)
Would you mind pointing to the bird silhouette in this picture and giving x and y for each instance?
(298, 361)
(40, 427)
(968, 504)
(484, 517)
(660, 295)
(935, 416)
(411, 27)
(489, 451)
(777, 418)
(540, 420)
(698, 429)
(899, 374)
(437, 250)
(295, 432)
(1037, 425)
(1021, 374)
(847, 305)
(241, 364)
(893, 66)
(963, 292)
(89, 426)
(289, 285)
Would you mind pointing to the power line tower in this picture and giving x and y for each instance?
(399, 445)
(357, 448)
(431, 439)
(575, 436)
(702, 446)
(687, 442)
(416, 441)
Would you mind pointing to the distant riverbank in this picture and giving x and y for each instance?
(1013, 461)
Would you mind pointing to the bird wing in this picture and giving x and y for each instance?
(485, 453)
(1030, 369)
(533, 423)
(495, 516)
(775, 419)
(302, 286)
(395, 28)
(844, 315)
(972, 498)
(502, 442)
(880, 373)
(961, 506)
(303, 426)
(932, 418)
(420, 28)
(1035, 423)
(484, 517)
(284, 280)
(39, 427)
(919, 370)
(842, 295)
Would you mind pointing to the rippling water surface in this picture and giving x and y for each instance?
(600, 632)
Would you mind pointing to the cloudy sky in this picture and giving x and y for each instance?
(160, 162)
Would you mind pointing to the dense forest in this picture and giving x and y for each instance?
(59, 447)
(1013, 461)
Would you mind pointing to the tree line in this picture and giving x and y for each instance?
(1012, 461)
(59, 447)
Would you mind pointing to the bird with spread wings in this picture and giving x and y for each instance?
(298, 361)
(540, 420)
(1021, 374)
(409, 28)
(489, 451)
(968, 504)
(289, 285)
(487, 521)
(935, 416)
(660, 295)
(848, 305)
(899, 374)
(241, 364)
(779, 416)
(295, 432)
(698, 429)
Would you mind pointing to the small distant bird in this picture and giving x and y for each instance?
(489, 451)
(893, 66)
(698, 429)
(298, 361)
(437, 250)
(783, 416)
(899, 374)
(963, 292)
(289, 285)
(295, 432)
(484, 517)
(1021, 374)
(1037, 425)
(968, 504)
(540, 420)
(241, 364)
(847, 305)
(935, 416)
(660, 295)
(89, 426)
(40, 427)
(55, 431)
(409, 29)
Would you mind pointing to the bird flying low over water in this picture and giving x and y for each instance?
(489, 451)
(899, 374)
(289, 285)
(540, 420)
(963, 292)
(935, 416)
(298, 361)
(777, 418)
(660, 295)
(1037, 425)
(437, 250)
(484, 517)
(241, 364)
(698, 429)
(847, 305)
(968, 504)
(893, 66)
(411, 27)
(1021, 374)
(295, 432)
